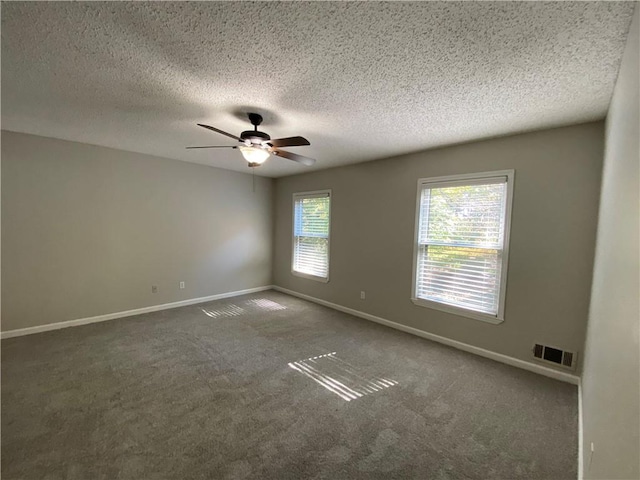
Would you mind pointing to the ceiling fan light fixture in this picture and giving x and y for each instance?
(256, 146)
(254, 155)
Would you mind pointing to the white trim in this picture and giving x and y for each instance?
(457, 179)
(127, 313)
(311, 277)
(313, 194)
(580, 433)
(511, 179)
(499, 176)
(514, 362)
(326, 193)
(463, 312)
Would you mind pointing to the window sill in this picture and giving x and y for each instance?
(462, 312)
(310, 277)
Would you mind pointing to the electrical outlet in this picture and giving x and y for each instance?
(154, 289)
(181, 285)
(362, 295)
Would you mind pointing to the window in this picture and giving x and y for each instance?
(311, 212)
(462, 237)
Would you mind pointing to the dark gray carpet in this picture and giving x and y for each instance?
(231, 389)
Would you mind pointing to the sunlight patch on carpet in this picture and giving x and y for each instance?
(265, 304)
(224, 311)
(340, 377)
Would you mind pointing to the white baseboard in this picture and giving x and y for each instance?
(128, 313)
(515, 362)
(532, 367)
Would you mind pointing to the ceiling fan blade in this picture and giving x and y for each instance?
(208, 127)
(215, 146)
(293, 156)
(289, 142)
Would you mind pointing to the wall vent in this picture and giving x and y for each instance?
(554, 355)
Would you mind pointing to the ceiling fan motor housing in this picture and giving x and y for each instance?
(254, 136)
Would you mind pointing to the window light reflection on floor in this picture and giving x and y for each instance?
(340, 377)
(224, 311)
(248, 306)
(265, 304)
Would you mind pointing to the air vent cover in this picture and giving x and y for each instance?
(554, 355)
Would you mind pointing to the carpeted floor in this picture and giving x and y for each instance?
(267, 386)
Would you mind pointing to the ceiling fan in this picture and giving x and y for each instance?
(256, 146)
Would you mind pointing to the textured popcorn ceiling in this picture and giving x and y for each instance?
(359, 80)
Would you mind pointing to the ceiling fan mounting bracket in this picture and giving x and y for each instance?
(254, 136)
(255, 119)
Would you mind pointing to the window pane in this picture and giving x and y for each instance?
(463, 215)
(312, 217)
(311, 256)
(311, 235)
(464, 277)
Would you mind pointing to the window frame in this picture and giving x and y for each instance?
(466, 179)
(308, 194)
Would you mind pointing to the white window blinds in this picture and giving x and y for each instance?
(311, 234)
(461, 241)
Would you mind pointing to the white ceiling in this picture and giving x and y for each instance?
(360, 80)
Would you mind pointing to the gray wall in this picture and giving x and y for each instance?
(557, 183)
(610, 382)
(87, 230)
